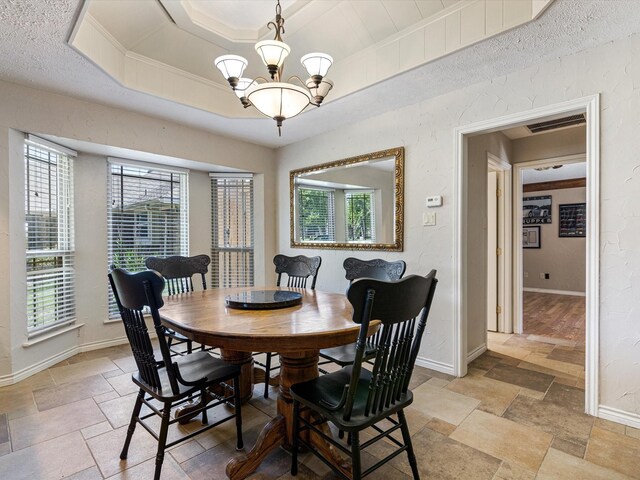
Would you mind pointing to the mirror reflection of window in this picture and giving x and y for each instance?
(317, 214)
(360, 216)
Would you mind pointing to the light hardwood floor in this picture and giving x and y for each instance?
(557, 316)
(517, 415)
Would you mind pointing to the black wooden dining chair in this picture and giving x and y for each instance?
(355, 398)
(355, 268)
(297, 269)
(178, 273)
(171, 381)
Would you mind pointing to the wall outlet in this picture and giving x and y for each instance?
(428, 219)
(526, 274)
(542, 276)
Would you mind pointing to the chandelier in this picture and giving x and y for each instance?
(277, 99)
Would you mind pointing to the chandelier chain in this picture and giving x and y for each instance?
(278, 25)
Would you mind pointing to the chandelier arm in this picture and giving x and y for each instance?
(295, 77)
(260, 78)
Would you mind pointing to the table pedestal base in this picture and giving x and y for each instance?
(295, 368)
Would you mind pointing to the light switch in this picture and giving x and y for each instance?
(428, 218)
(435, 201)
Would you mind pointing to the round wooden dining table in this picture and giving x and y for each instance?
(297, 333)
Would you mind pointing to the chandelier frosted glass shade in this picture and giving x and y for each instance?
(272, 53)
(232, 67)
(279, 100)
(317, 64)
(319, 91)
(243, 85)
(242, 88)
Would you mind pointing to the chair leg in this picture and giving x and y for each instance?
(132, 424)
(267, 375)
(294, 446)
(406, 437)
(356, 464)
(189, 346)
(203, 396)
(162, 439)
(238, 408)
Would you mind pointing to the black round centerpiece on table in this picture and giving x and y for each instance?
(263, 299)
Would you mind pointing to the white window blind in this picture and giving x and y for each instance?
(316, 217)
(360, 216)
(50, 237)
(147, 215)
(232, 231)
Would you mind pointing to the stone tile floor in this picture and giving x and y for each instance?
(517, 415)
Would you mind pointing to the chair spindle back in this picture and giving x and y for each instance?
(403, 308)
(178, 271)
(134, 293)
(298, 269)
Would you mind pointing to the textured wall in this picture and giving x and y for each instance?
(426, 130)
(562, 258)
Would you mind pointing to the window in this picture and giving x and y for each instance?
(232, 230)
(50, 237)
(317, 215)
(147, 215)
(360, 216)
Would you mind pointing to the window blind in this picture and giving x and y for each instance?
(360, 216)
(317, 214)
(50, 237)
(147, 215)
(232, 231)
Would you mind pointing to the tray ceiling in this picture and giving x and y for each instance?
(166, 47)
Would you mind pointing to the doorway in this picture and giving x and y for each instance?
(466, 278)
(551, 268)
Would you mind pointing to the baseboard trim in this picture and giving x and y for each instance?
(87, 347)
(12, 378)
(476, 352)
(555, 292)
(619, 416)
(435, 365)
(26, 372)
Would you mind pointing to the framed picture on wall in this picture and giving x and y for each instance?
(573, 220)
(536, 210)
(531, 237)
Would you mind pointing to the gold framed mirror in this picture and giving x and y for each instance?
(355, 203)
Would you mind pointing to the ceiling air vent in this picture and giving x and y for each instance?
(557, 123)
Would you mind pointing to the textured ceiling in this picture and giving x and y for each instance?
(33, 51)
(572, 170)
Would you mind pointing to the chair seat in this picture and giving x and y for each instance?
(329, 388)
(197, 367)
(346, 354)
(175, 335)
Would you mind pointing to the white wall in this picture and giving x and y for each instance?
(426, 130)
(28, 110)
(563, 258)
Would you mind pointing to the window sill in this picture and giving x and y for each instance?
(54, 333)
(109, 321)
